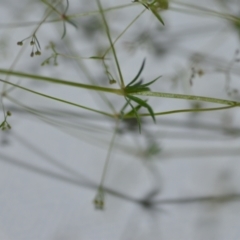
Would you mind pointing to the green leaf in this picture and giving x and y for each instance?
(131, 112)
(96, 57)
(64, 30)
(124, 107)
(136, 89)
(138, 74)
(154, 11)
(135, 113)
(144, 104)
(139, 87)
(72, 23)
(137, 84)
(151, 82)
(65, 11)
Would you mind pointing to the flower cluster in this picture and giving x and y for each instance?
(36, 48)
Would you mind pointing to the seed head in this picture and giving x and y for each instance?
(38, 53)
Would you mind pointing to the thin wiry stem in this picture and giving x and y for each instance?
(111, 44)
(58, 99)
(124, 31)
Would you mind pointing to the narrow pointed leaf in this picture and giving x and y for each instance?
(136, 115)
(141, 88)
(131, 112)
(138, 74)
(137, 89)
(123, 108)
(64, 30)
(96, 57)
(157, 15)
(72, 23)
(66, 8)
(144, 104)
(151, 82)
(137, 84)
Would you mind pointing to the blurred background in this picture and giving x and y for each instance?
(178, 179)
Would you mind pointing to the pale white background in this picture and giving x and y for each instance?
(50, 172)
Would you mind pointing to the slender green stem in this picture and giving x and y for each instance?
(104, 10)
(109, 154)
(99, 198)
(23, 49)
(45, 18)
(203, 10)
(88, 74)
(51, 6)
(72, 16)
(129, 25)
(111, 44)
(188, 97)
(58, 99)
(119, 91)
(58, 81)
(64, 126)
(184, 111)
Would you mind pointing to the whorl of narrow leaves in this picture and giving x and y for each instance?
(138, 86)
